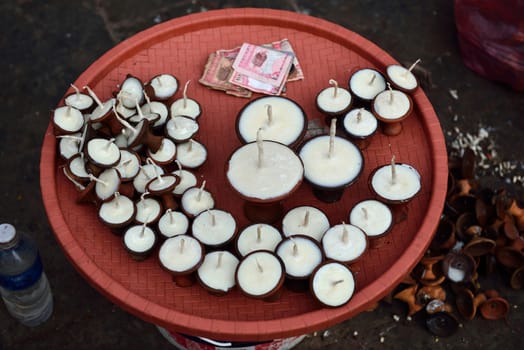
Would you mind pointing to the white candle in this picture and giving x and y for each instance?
(196, 199)
(68, 119)
(78, 100)
(101, 110)
(77, 166)
(147, 209)
(117, 211)
(155, 107)
(333, 284)
(191, 154)
(180, 253)
(333, 99)
(259, 273)
(300, 254)
(173, 223)
(257, 237)
(305, 220)
(402, 77)
(69, 146)
(131, 91)
(103, 152)
(187, 180)
(218, 270)
(107, 183)
(360, 123)
(406, 185)
(164, 86)
(456, 275)
(180, 128)
(344, 243)
(186, 106)
(338, 169)
(372, 217)
(139, 238)
(129, 164)
(161, 182)
(166, 153)
(281, 173)
(286, 124)
(214, 227)
(367, 83)
(391, 104)
(146, 173)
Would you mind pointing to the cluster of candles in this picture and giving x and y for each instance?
(134, 156)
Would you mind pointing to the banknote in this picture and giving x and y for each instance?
(255, 85)
(296, 72)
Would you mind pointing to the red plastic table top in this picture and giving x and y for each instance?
(181, 47)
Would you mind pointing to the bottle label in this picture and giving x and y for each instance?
(24, 280)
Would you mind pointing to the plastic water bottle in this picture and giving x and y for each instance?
(23, 283)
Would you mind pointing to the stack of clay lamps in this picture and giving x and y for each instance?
(481, 232)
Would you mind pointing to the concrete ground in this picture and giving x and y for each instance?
(45, 45)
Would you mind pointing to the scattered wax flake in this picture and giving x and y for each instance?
(382, 339)
(396, 318)
(408, 318)
(326, 334)
(355, 333)
(454, 94)
(436, 339)
(157, 19)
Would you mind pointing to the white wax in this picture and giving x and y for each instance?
(165, 85)
(328, 289)
(259, 273)
(388, 109)
(77, 166)
(173, 259)
(173, 223)
(359, 83)
(375, 220)
(125, 112)
(68, 118)
(101, 111)
(79, 100)
(146, 173)
(131, 91)
(280, 173)
(218, 276)
(293, 222)
(248, 240)
(344, 165)
(287, 120)
(191, 204)
(191, 110)
(129, 164)
(455, 275)
(117, 211)
(161, 183)
(157, 108)
(214, 233)
(406, 185)
(166, 153)
(121, 139)
(330, 103)
(191, 158)
(147, 210)
(181, 128)
(68, 146)
(401, 77)
(337, 249)
(135, 241)
(103, 151)
(151, 117)
(364, 127)
(187, 180)
(308, 256)
(109, 185)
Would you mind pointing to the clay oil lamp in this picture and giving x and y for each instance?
(191, 154)
(155, 107)
(331, 164)
(467, 303)
(366, 83)
(360, 124)
(444, 238)
(67, 120)
(196, 200)
(442, 324)
(429, 272)
(180, 128)
(129, 165)
(479, 246)
(142, 134)
(139, 241)
(495, 307)
(391, 107)
(83, 102)
(512, 255)
(107, 183)
(102, 154)
(214, 228)
(118, 212)
(408, 296)
(345, 243)
(187, 180)
(510, 230)
(186, 106)
(152, 118)
(334, 101)
(466, 225)
(395, 183)
(374, 218)
(148, 209)
(131, 90)
(306, 220)
(517, 278)
(166, 154)
(76, 168)
(103, 113)
(402, 78)
(427, 293)
(172, 223)
(147, 172)
(281, 119)
(264, 173)
(162, 186)
(518, 214)
(257, 237)
(86, 193)
(261, 275)
(217, 272)
(181, 256)
(69, 145)
(332, 284)
(161, 87)
(123, 110)
(459, 267)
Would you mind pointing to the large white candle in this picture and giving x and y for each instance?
(305, 220)
(258, 237)
(300, 254)
(372, 217)
(164, 86)
(214, 227)
(173, 223)
(217, 272)
(259, 273)
(139, 238)
(404, 185)
(344, 243)
(280, 118)
(360, 123)
(367, 83)
(333, 284)
(281, 171)
(180, 253)
(401, 77)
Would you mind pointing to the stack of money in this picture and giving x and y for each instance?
(252, 68)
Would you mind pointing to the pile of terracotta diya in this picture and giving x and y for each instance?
(480, 235)
(135, 156)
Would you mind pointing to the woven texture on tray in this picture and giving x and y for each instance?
(181, 47)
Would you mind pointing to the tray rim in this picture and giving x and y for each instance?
(260, 330)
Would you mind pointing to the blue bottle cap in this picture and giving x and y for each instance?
(7, 233)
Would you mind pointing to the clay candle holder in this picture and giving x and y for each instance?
(102, 154)
(161, 87)
(214, 228)
(148, 209)
(102, 112)
(180, 128)
(83, 102)
(281, 119)
(306, 220)
(402, 78)
(334, 101)
(366, 83)
(181, 255)
(191, 154)
(331, 164)
(106, 184)
(69, 145)
(196, 200)
(391, 107)
(374, 218)
(495, 307)
(257, 237)
(147, 172)
(131, 91)
(67, 120)
(172, 223)
(360, 125)
(217, 272)
(187, 180)
(117, 212)
(467, 303)
(345, 243)
(166, 154)
(139, 241)
(186, 106)
(155, 107)
(459, 267)
(129, 165)
(162, 186)
(76, 168)
(332, 284)
(141, 134)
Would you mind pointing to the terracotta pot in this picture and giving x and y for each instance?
(518, 214)
(517, 278)
(427, 293)
(428, 271)
(467, 303)
(459, 267)
(408, 296)
(495, 308)
(463, 222)
(479, 246)
(444, 237)
(442, 324)
(509, 257)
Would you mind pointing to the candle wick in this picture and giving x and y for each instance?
(159, 177)
(334, 283)
(76, 183)
(260, 269)
(142, 232)
(180, 172)
(68, 111)
(159, 80)
(269, 110)
(94, 96)
(219, 259)
(93, 178)
(169, 212)
(259, 233)
(109, 143)
(69, 137)
(306, 219)
(373, 77)
(213, 218)
(295, 249)
(116, 201)
(332, 132)
(184, 94)
(190, 146)
(143, 197)
(182, 242)
(359, 115)
(365, 211)
(260, 148)
(390, 94)
(83, 138)
(393, 171)
(77, 92)
(148, 100)
(344, 233)
(124, 122)
(139, 110)
(200, 190)
(411, 67)
(335, 85)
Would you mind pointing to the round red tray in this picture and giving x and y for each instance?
(181, 47)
